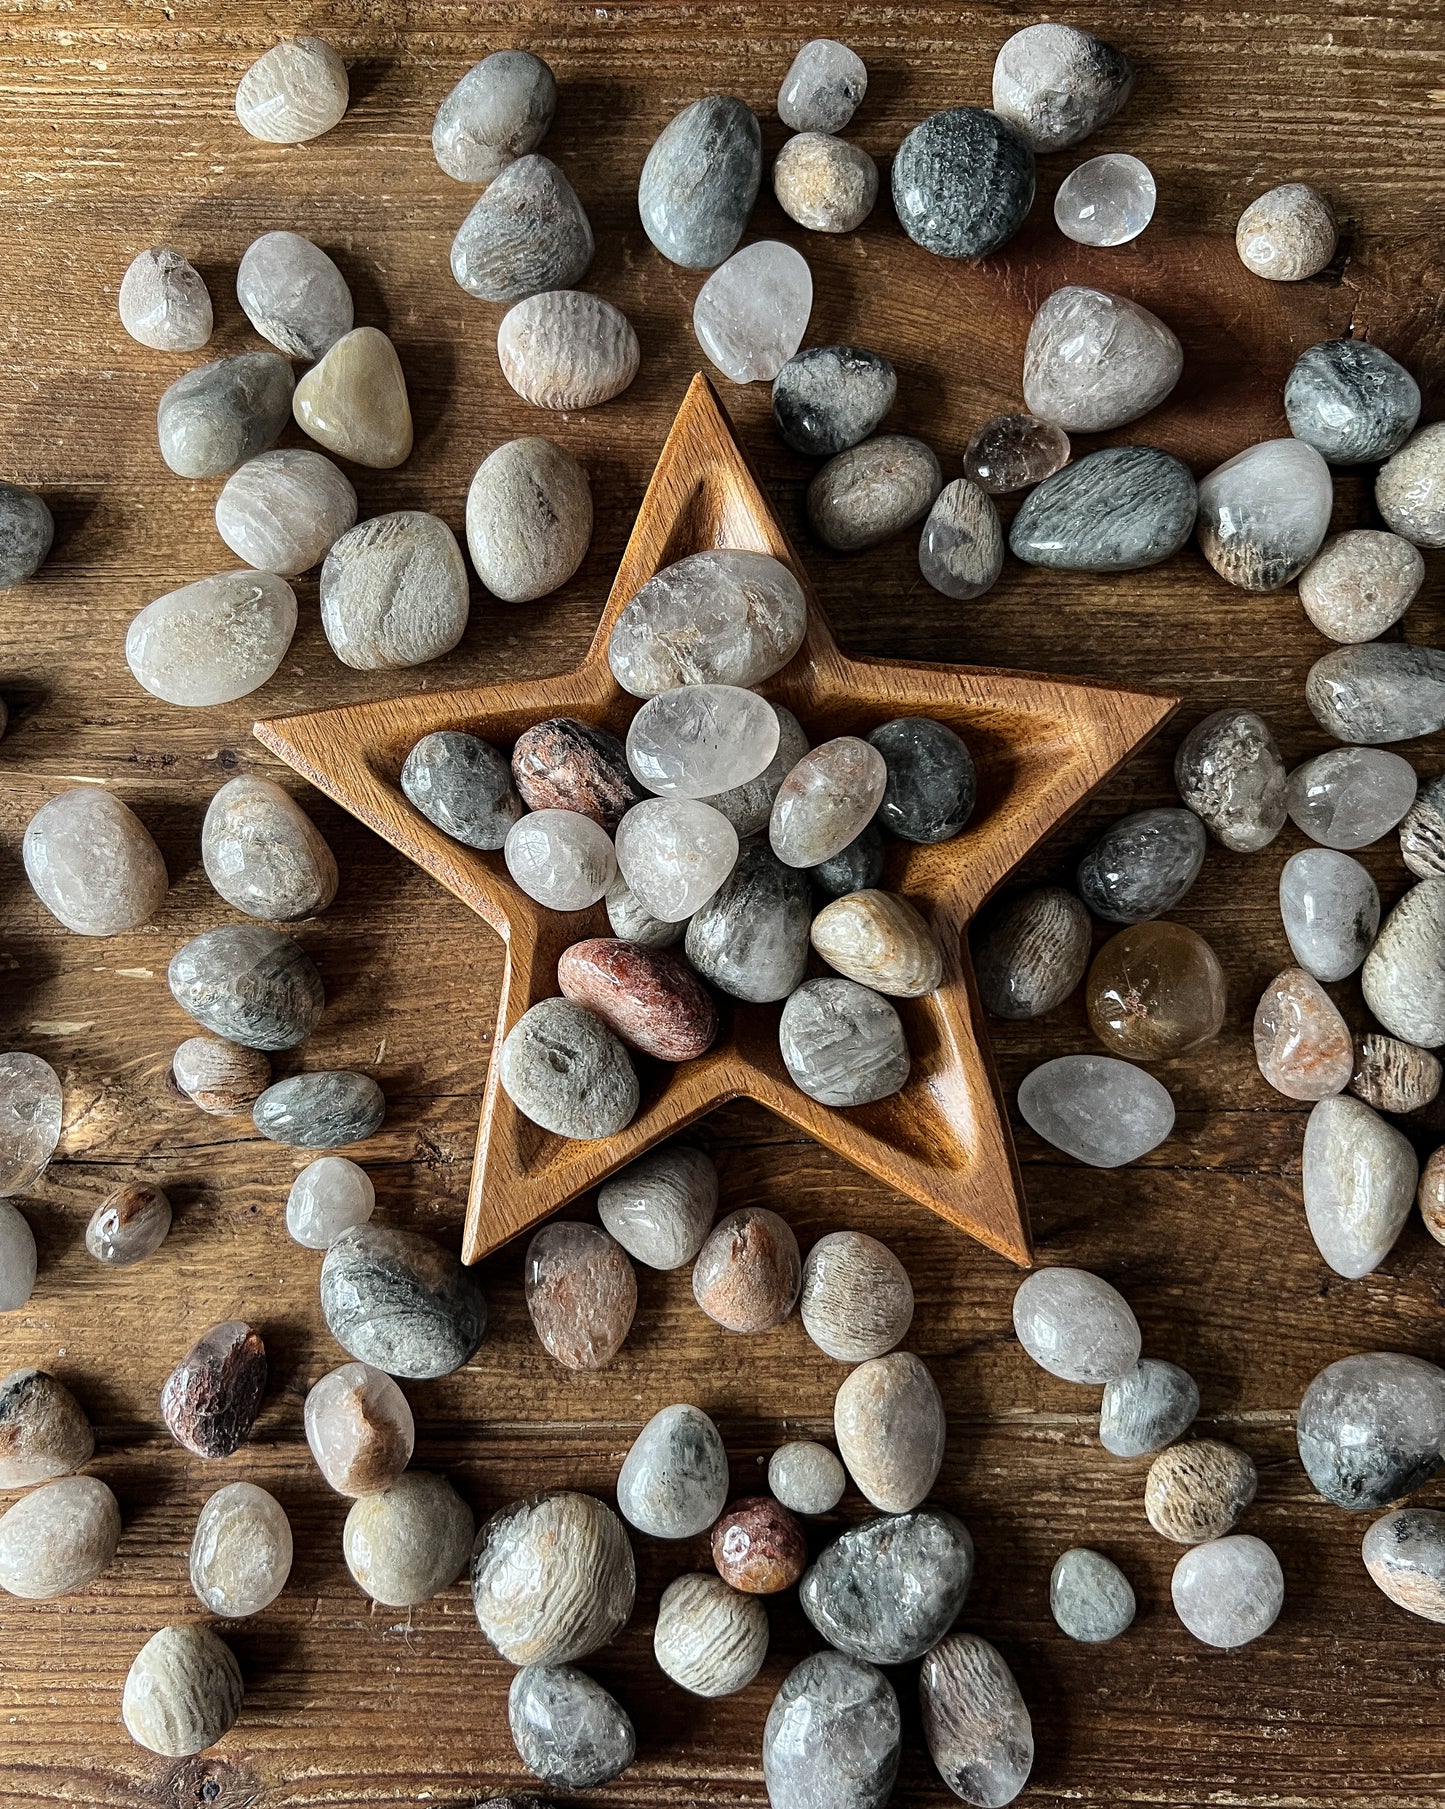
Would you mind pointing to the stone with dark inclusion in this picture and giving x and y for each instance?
(567, 1729)
(400, 1302)
(293, 294)
(889, 1589)
(700, 181)
(1147, 1408)
(563, 764)
(1405, 1555)
(1351, 401)
(211, 1398)
(1348, 797)
(527, 233)
(963, 182)
(960, 551)
(250, 984)
(1394, 1076)
(464, 786)
(843, 1044)
(832, 1737)
(750, 939)
(1331, 911)
(1142, 865)
(27, 529)
(1031, 952)
(1264, 513)
(221, 414)
(498, 111)
(43, 1430)
(1090, 1597)
(725, 617)
(1014, 452)
(931, 785)
(1381, 691)
(128, 1225)
(1056, 84)
(674, 1480)
(975, 1722)
(1155, 990)
(832, 397)
(1230, 774)
(873, 490)
(320, 1111)
(1371, 1428)
(1118, 510)
(1422, 834)
(854, 868)
(697, 740)
(823, 87)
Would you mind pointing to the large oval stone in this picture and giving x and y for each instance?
(832, 1736)
(1095, 361)
(889, 1589)
(1371, 1428)
(1055, 84)
(653, 1001)
(93, 864)
(400, 1302)
(1113, 511)
(674, 1480)
(842, 1043)
(529, 519)
(1359, 1184)
(725, 617)
(58, 1538)
(553, 1578)
(857, 1300)
(1097, 1109)
(700, 181)
(698, 740)
(1404, 973)
(975, 1722)
(212, 641)
(1076, 1326)
(498, 111)
(321, 1110)
(263, 854)
(218, 415)
(1381, 691)
(1331, 911)
(527, 233)
(889, 1422)
(183, 1691)
(250, 984)
(963, 182)
(566, 349)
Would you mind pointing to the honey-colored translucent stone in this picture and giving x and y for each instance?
(1155, 990)
(354, 401)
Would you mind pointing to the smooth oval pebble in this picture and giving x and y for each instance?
(1007, 453)
(963, 182)
(807, 1477)
(529, 519)
(1228, 1591)
(823, 87)
(263, 854)
(581, 1293)
(1351, 401)
(856, 1300)
(648, 997)
(565, 1070)
(553, 1578)
(498, 111)
(889, 1422)
(563, 764)
(724, 617)
(222, 1078)
(560, 858)
(129, 1225)
(750, 939)
(1348, 797)
(213, 641)
(931, 787)
(398, 1301)
(359, 1428)
(293, 93)
(329, 1196)
(211, 1398)
(675, 853)
(1410, 488)
(293, 294)
(826, 801)
(700, 181)
(1286, 234)
(1371, 1428)
(751, 313)
(1360, 1175)
(281, 511)
(759, 1547)
(1392, 1076)
(564, 349)
(1095, 361)
(879, 940)
(1403, 977)
(1090, 1597)
(164, 302)
(1142, 865)
(320, 1111)
(748, 1273)
(1360, 583)
(710, 1639)
(832, 1737)
(58, 1538)
(1118, 510)
(31, 1104)
(182, 1692)
(1101, 1111)
(93, 864)
(1263, 514)
(1422, 833)
(464, 786)
(1155, 990)
(660, 1208)
(241, 1551)
(1404, 1553)
(1147, 1407)
(526, 234)
(1331, 911)
(18, 1258)
(1057, 83)
(566, 1728)
(698, 740)
(673, 1483)
(1381, 691)
(1197, 1490)
(1230, 774)
(888, 1590)
(842, 1043)
(248, 983)
(354, 401)
(826, 184)
(831, 397)
(975, 1722)
(43, 1430)
(872, 491)
(1301, 1042)
(394, 592)
(409, 1542)
(1106, 201)
(960, 551)
(220, 414)
(27, 532)
(1076, 1326)
(1032, 952)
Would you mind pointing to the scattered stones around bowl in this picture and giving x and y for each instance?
(281, 511)
(1331, 911)
(749, 1272)
(213, 641)
(529, 519)
(409, 1542)
(1404, 1553)
(842, 1043)
(674, 1480)
(1198, 1490)
(293, 294)
(18, 1259)
(241, 1551)
(565, 1070)
(552, 1578)
(1055, 84)
(164, 302)
(27, 530)
(1348, 797)
(710, 1639)
(888, 1590)
(832, 1736)
(960, 551)
(360, 1429)
(293, 93)
(1351, 401)
(566, 350)
(1403, 976)
(528, 233)
(975, 1722)
(1422, 833)
(218, 415)
(130, 1224)
(1155, 990)
(1392, 1076)
(1142, 865)
(823, 88)
(700, 181)
(807, 1477)
(1230, 774)
(222, 1078)
(758, 1547)
(1287, 234)
(831, 397)
(1382, 691)
(58, 1538)
(889, 1422)
(723, 617)
(750, 939)
(499, 110)
(872, 491)
(464, 786)
(31, 1100)
(1360, 1175)
(1095, 361)
(1106, 201)
(1371, 1428)
(581, 1293)
(394, 592)
(1099, 1110)
(1410, 489)
(660, 1208)
(354, 401)
(1147, 1408)
(1228, 1591)
(1090, 1597)
(183, 1691)
(1076, 1326)
(826, 184)
(329, 1196)
(398, 1301)
(1031, 952)
(963, 182)
(751, 313)
(566, 1728)
(1301, 1042)
(263, 854)
(1264, 513)
(43, 1430)
(1360, 583)
(1117, 510)
(856, 1300)
(93, 864)
(320, 1111)
(211, 1398)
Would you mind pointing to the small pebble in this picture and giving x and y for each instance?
(183, 1691)
(1287, 234)
(1349, 797)
(1403, 976)
(1118, 510)
(93, 864)
(630, 919)
(18, 1259)
(1056, 84)
(1331, 911)
(857, 1300)
(748, 1273)
(1106, 201)
(700, 181)
(709, 1639)
(263, 854)
(889, 1422)
(398, 1301)
(829, 797)
(1142, 865)
(565, 349)
(854, 868)
(1228, 1591)
(724, 617)
(1371, 1428)
(1090, 1597)
(241, 1551)
(1360, 1175)
(960, 551)
(879, 940)
(963, 182)
(560, 858)
(567, 1729)
(873, 491)
(661, 1207)
(807, 1477)
(1101, 1111)
(213, 641)
(1230, 774)
(1422, 833)
(320, 1111)
(281, 511)
(1095, 361)
(293, 93)
(1392, 1076)
(1155, 990)
(563, 764)
(464, 786)
(164, 302)
(752, 312)
(832, 397)
(648, 997)
(27, 531)
(58, 1538)
(354, 401)
(1031, 952)
(888, 1590)
(1383, 691)
(1076, 1326)
(394, 592)
(409, 1542)
(842, 1044)
(529, 519)
(832, 1736)
(826, 184)
(931, 785)
(31, 1099)
(698, 740)
(825, 84)
(750, 939)
(581, 1293)
(1147, 1408)
(1301, 1042)
(1198, 1490)
(1264, 513)
(360, 1429)
(218, 415)
(1410, 488)
(675, 853)
(1014, 452)
(329, 1196)
(526, 234)
(758, 1547)
(499, 110)
(565, 1070)
(222, 1078)
(1404, 1553)
(553, 1578)
(1360, 583)
(211, 1398)
(674, 1480)
(43, 1430)
(294, 295)
(128, 1225)
(749, 805)
(975, 1722)
(1351, 401)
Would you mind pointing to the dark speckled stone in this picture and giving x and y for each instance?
(464, 786)
(212, 1396)
(1351, 401)
(1371, 1427)
(931, 785)
(26, 531)
(891, 1588)
(1114, 511)
(1142, 865)
(400, 1302)
(320, 1111)
(700, 181)
(751, 937)
(963, 182)
(832, 397)
(858, 867)
(563, 764)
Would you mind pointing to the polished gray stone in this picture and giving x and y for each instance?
(931, 787)
(567, 1729)
(751, 937)
(831, 397)
(398, 1301)
(321, 1110)
(833, 1736)
(1371, 1428)
(1113, 511)
(889, 1589)
(1230, 774)
(1142, 865)
(1380, 691)
(1147, 1408)
(700, 181)
(1351, 401)
(963, 182)
(855, 868)
(219, 415)
(250, 984)
(1090, 1597)
(527, 233)
(464, 786)
(27, 530)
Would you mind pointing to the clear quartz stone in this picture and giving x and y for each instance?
(263, 854)
(1106, 201)
(1095, 361)
(212, 641)
(698, 740)
(359, 1428)
(93, 864)
(1076, 1326)
(1301, 1042)
(674, 853)
(751, 313)
(30, 1103)
(329, 1196)
(241, 1551)
(1228, 1591)
(824, 84)
(1097, 1109)
(827, 801)
(1014, 452)
(722, 617)
(1264, 513)
(561, 858)
(1349, 797)
(164, 302)
(1331, 911)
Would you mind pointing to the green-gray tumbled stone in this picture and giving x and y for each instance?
(464, 786)
(221, 414)
(250, 984)
(400, 1302)
(700, 181)
(751, 937)
(320, 1111)
(1091, 1598)
(963, 182)
(565, 1070)
(1114, 511)
(888, 1590)
(27, 530)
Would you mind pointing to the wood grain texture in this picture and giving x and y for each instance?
(116, 132)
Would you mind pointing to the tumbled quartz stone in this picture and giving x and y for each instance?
(1410, 489)
(398, 1301)
(405, 1544)
(498, 111)
(1055, 84)
(281, 511)
(1147, 1407)
(1031, 952)
(164, 302)
(17, 1258)
(359, 1428)
(130, 1224)
(1287, 234)
(529, 519)
(700, 181)
(710, 1639)
(527, 233)
(93, 864)
(827, 799)
(1393, 1076)
(1349, 797)
(250, 984)
(963, 182)
(889, 1422)
(1404, 973)
(211, 1398)
(824, 85)
(293, 294)
(1371, 1428)
(183, 1691)
(826, 184)
(651, 999)
(1422, 833)
(561, 858)
(1095, 361)
(293, 93)
(842, 1044)
(975, 1722)
(1106, 201)
(856, 1300)
(354, 401)
(1142, 865)
(888, 1590)
(832, 1736)
(674, 1480)
(1101, 1111)
(1230, 774)
(931, 785)
(464, 786)
(832, 397)
(1360, 1175)
(553, 1578)
(213, 641)
(1384, 691)
(1301, 1042)
(1264, 513)
(748, 1273)
(872, 491)
(723, 617)
(565, 349)
(1155, 990)
(633, 922)
(43, 1430)
(675, 853)
(566, 1728)
(263, 854)
(1331, 911)
(329, 1196)
(1118, 510)
(27, 530)
(1351, 401)
(1404, 1553)
(751, 313)
(58, 1538)
(565, 1070)
(1090, 1597)
(749, 805)
(1075, 1325)
(1229, 1591)
(1198, 1490)
(879, 940)
(563, 764)
(221, 1078)
(750, 939)
(1014, 452)
(219, 415)
(1360, 583)
(854, 868)
(758, 1547)
(807, 1477)
(581, 1293)
(660, 1208)
(240, 1551)
(394, 592)
(960, 551)
(697, 740)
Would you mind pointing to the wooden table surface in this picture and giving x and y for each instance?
(116, 132)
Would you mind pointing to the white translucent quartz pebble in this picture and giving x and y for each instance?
(751, 313)
(1106, 201)
(1359, 1176)
(293, 93)
(1076, 1326)
(360, 1429)
(241, 1551)
(17, 1258)
(281, 510)
(1097, 1109)
(698, 740)
(824, 84)
(1331, 911)
(748, 807)
(1228, 1591)
(675, 853)
(164, 302)
(30, 1106)
(722, 617)
(561, 858)
(93, 863)
(212, 641)
(1264, 513)
(329, 1196)
(1349, 797)
(827, 801)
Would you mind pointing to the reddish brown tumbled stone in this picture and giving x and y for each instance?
(759, 1547)
(581, 1293)
(749, 1271)
(212, 1396)
(649, 997)
(563, 764)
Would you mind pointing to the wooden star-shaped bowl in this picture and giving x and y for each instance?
(1041, 746)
